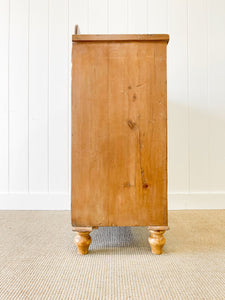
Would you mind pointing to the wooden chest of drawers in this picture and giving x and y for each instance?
(119, 135)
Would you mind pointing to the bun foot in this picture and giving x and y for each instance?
(83, 238)
(82, 241)
(156, 238)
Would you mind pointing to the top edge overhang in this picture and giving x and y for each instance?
(119, 37)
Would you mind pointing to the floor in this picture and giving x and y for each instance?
(38, 259)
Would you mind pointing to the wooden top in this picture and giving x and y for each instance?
(119, 37)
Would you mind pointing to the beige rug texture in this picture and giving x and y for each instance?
(38, 259)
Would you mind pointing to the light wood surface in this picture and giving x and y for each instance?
(156, 241)
(119, 133)
(158, 228)
(120, 37)
(82, 241)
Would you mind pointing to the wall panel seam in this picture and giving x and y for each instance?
(127, 15)
(188, 94)
(68, 92)
(107, 16)
(167, 15)
(9, 45)
(208, 97)
(48, 106)
(147, 16)
(28, 102)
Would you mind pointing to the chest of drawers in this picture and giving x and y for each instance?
(119, 135)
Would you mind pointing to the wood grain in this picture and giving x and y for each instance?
(82, 241)
(120, 37)
(156, 241)
(119, 133)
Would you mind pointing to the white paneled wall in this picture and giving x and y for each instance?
(35, 62)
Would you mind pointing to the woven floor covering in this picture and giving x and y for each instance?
(38, 259)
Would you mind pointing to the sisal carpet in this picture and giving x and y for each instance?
(38, 259)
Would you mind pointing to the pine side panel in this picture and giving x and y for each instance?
(122, 135)
(137, 134)
(119, 136)
(89, 178)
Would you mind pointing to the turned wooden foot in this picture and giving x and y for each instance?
(83, 239)
(156, 238)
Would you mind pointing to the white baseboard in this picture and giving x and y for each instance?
(61, 201)
(179, 201)
(34, 201)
